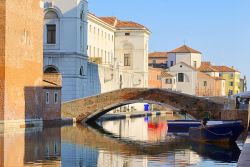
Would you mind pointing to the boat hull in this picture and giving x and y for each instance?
(221, 133)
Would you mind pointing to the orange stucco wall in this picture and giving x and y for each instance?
(213, 88)
(159, 60)
(2, 57)
(23, 58)
(153, 82)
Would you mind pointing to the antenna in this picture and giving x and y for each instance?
(184, 42)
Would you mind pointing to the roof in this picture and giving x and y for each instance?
(224, 69)
(218, 78)
(52, 80)
(122, 24)
(206, 67)
(158, 55)
(109, 20)
(166, 74)
(184, 49)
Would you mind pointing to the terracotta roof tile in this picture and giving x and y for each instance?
(184, 49)
(166, 74)
(109, 20)
(224, 69)
(206, 67)
(218, 78)
(52, 80)
(158, 54)
(121, 24)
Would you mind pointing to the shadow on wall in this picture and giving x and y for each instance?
(43, 103)
(33, 102)
(93, 83)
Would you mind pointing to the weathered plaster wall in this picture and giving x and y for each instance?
(23, 58)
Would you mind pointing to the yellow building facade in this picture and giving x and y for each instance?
(232, 82)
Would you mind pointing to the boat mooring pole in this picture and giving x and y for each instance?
(248, 116)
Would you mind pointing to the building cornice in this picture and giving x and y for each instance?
(96, 20)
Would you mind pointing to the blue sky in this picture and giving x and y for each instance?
(220, 29)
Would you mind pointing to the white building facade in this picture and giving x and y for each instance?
(65, 44)
(120, 48)
(186, 77)
(183, 63)
(184, 54)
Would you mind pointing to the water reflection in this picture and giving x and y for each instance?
(30, 147)
(139, 142)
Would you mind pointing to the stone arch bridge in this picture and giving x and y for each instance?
(90, 108)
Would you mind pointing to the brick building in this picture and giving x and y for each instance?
(21, 62)
(158, 60)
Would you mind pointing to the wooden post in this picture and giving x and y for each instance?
(248, 116)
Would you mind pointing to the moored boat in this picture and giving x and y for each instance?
(227, 131)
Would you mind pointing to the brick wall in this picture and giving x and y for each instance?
(52, 110)
(96, 106)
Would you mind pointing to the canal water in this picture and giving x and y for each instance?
(136, 142)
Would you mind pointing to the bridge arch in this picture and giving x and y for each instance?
(90, 108)
(100, 112)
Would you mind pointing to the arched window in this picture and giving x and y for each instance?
(51, 70)
(51, 15)
(82, 16)
(51, 22)
(81, 71)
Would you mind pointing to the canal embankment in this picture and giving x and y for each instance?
(124, 115)
(244, 159)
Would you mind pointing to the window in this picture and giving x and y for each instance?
(172, 63)
(127, 34)
(51, 34)
(90, 51)
(231, 83)
(231, 75)
(154, 61)
(158, 77)
(56, 97)
(50, 70)
(168, 81)
(47, 97)
(81, 71)
(205, 83)
(126, 60)
(220, 74)
(195, 64)
(180, 77)
(105, 57)
(82, 16)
